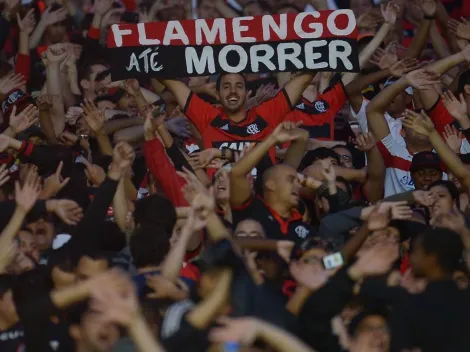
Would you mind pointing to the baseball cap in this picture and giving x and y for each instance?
(390, 81)
(425, 160)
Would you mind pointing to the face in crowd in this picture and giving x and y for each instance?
(232, 93)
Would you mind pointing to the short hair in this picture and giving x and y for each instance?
(318, 154)
(149, 246)
(219, 79)
(445, 244)
(451, 187)
(155, 210)
(359, 318)
(85, 71)
(95, 255)
(6, 284)
(263, 4)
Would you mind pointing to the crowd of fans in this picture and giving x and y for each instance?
(302, 211)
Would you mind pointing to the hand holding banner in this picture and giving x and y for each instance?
(309, 41)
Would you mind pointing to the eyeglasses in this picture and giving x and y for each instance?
(345, 158)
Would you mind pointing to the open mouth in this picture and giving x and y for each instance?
(221, 188)
(233, 99)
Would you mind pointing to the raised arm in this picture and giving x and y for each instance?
(419, 40)
(421, 123)
(429, 97)
(180, 90)
(296, 86)
(378, 106)
(240, 189)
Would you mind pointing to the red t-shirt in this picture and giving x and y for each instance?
(318, 117)
(218, 131)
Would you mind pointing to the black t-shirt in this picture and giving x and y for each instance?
(275, 227)
(12, 340)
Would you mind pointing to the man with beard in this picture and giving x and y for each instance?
(232, 126)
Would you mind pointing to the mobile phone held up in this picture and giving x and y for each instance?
(333, 261)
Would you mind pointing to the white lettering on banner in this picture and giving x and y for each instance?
(265, 59)
(306, 26)
(200, 64)
(149, 62)
(283, 56)
(317, 28)
(143, 36)
(336, 55)
(218, 29)
(175, 31)
(119, 33)
(331, 24)
(279, 29)
(311, 55)
(242, 63)
(238, 29)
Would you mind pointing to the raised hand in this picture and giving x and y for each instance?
(28, 23)
(466, 53)
(203, 158)
(95, 174)
(379, 218)
(123, 156)
(285, 132)
(50, 17)
(55, 183)
(404, 66)
(428, 7)
(24, 120)
(420, 123)
(68, 138)
(390, 12)
(55, 54)
(67, 210)
(456, 107)
(376, 260)
(328, 171)
(102, 6)
(365, 142)
(179, 126)
(26, 195)
(44, 102)
(423, 79)
(385, 58)
(131, 86)
(459, 29)
(264, 92)
(453, 138)
(94, 117)
(72, 114)
(424, 198)
(10, 82)
(308, 273)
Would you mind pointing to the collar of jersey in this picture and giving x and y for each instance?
(284, 223)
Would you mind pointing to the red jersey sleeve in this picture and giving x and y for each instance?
(275, 110)
(336, 97)
(440, 116)
(199, 112)
(23, 65)
(164, 172)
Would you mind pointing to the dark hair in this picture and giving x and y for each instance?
(451, 187)
(445, 244)
(155, 210)
(464, 79)
(359, 318)
(6, 284)
(219, 79)
(95, 254)
(85, 71)
(318, 154)
(149, 246)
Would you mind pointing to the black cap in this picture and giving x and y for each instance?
(425, 160)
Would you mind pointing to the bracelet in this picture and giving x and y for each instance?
(430, 18)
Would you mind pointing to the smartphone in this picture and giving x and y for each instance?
(161, 109)
(333, 261)
(26, 2)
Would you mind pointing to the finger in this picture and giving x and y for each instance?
(64, 183)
